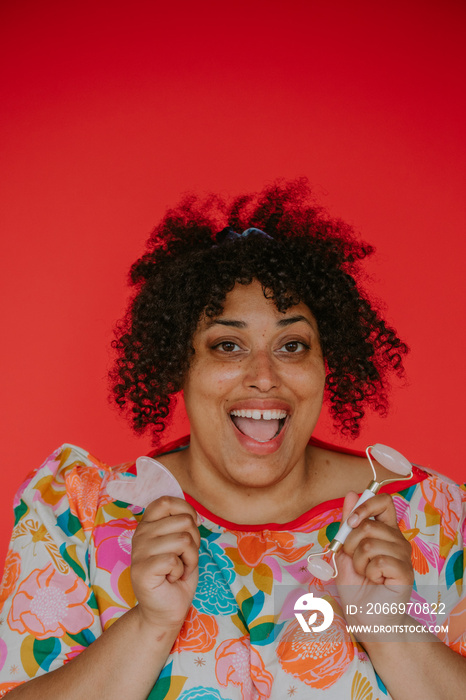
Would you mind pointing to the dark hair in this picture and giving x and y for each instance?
(306, 256)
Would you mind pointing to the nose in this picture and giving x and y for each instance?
(261, 372)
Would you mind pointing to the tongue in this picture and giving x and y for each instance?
(261, 430)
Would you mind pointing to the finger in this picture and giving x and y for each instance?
(177, 572)
(350, 501)
(375, 531)
(168, 505)
(370, 557)
(390, 571)
(379, 507)
(179, 543)
(154, 570)
(172, 524)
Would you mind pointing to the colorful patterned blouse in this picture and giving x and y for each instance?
(67, 580)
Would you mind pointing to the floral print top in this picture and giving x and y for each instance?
(67, 579)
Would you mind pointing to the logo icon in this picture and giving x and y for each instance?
(307, 603)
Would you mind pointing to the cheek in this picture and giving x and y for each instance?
(206, 386)
(220, 379)
(309, 382)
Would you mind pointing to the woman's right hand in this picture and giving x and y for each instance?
(164, 561)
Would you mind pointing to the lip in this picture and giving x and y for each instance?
(248, 443)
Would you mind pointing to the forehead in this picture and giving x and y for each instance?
(247, 304)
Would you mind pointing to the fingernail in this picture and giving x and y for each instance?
(352, 520)
(199, 521)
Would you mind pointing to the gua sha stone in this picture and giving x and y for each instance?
(152, 481)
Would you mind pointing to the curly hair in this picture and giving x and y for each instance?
(306, 256)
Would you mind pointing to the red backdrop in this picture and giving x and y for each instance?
(110, 110)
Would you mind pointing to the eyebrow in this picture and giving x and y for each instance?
(241, 324)
(227, 322)
(293, 319)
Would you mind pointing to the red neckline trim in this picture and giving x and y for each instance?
(394, 487)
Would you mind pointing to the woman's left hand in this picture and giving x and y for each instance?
(374, 565)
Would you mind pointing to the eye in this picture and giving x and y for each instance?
(227, 346)
(294, 346)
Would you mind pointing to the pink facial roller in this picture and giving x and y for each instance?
(319, 563)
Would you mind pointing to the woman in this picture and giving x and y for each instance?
(255, 328)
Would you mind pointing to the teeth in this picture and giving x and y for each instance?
(257, 414)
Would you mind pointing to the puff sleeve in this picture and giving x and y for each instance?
(48, 609)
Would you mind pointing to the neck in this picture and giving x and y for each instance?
(281, 500)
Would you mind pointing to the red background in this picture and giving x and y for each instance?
(110, 110)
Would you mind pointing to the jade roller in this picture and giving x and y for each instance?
(323, 564)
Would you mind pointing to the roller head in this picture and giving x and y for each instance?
(320, 569)
(391, 459)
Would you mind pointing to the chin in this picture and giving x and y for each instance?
(255, 475)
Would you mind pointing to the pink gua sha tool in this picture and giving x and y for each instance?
(152, 481)
(388, 458)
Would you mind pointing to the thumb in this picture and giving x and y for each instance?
(350, 501)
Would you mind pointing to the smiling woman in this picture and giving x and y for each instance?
(177, 577)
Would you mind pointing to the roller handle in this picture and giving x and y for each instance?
(345, 529)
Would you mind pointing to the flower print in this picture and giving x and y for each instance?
(440, 498)
(240, 664)
(199, 633)
(261, 678)
(299, 571)
(361, 689)
(402, 507)
(73, 652)
(19, 494)
(10, 575)
(421, 609)
(318, 659)
(51, 489)
(322, 520)
(201, 693)
(254, 547)
(113, 543)
(213, 595)
(83, 485)
(455, 626)
(422, 554)
(50, 604)
(36, 533)
(3, 653)
(223, 562)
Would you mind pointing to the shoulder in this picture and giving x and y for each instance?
(70, 477)
(434, 509)
(64, 462)
(440, 493)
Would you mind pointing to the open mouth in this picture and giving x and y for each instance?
(261, 426)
